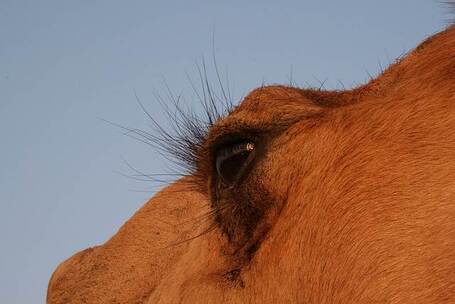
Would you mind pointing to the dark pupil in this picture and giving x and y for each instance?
(230, 161)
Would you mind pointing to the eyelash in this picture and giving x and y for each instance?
(184, 142)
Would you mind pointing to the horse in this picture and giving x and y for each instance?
(299, 195)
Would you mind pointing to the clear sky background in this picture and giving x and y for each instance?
(66, 64)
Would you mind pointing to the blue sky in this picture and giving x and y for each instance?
(66, 64)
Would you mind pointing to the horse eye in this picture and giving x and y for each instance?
(231, 161)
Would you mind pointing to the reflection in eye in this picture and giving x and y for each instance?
(231, 161)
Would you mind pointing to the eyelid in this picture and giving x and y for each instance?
(224, 139)
(231, 150)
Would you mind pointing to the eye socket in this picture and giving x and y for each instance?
(232, 160)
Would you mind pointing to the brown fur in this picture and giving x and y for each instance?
(357, 197)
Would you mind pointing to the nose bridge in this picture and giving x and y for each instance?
(130, 265)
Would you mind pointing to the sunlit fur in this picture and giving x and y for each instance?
(360, 208)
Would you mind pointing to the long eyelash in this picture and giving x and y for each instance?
(182, 142)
